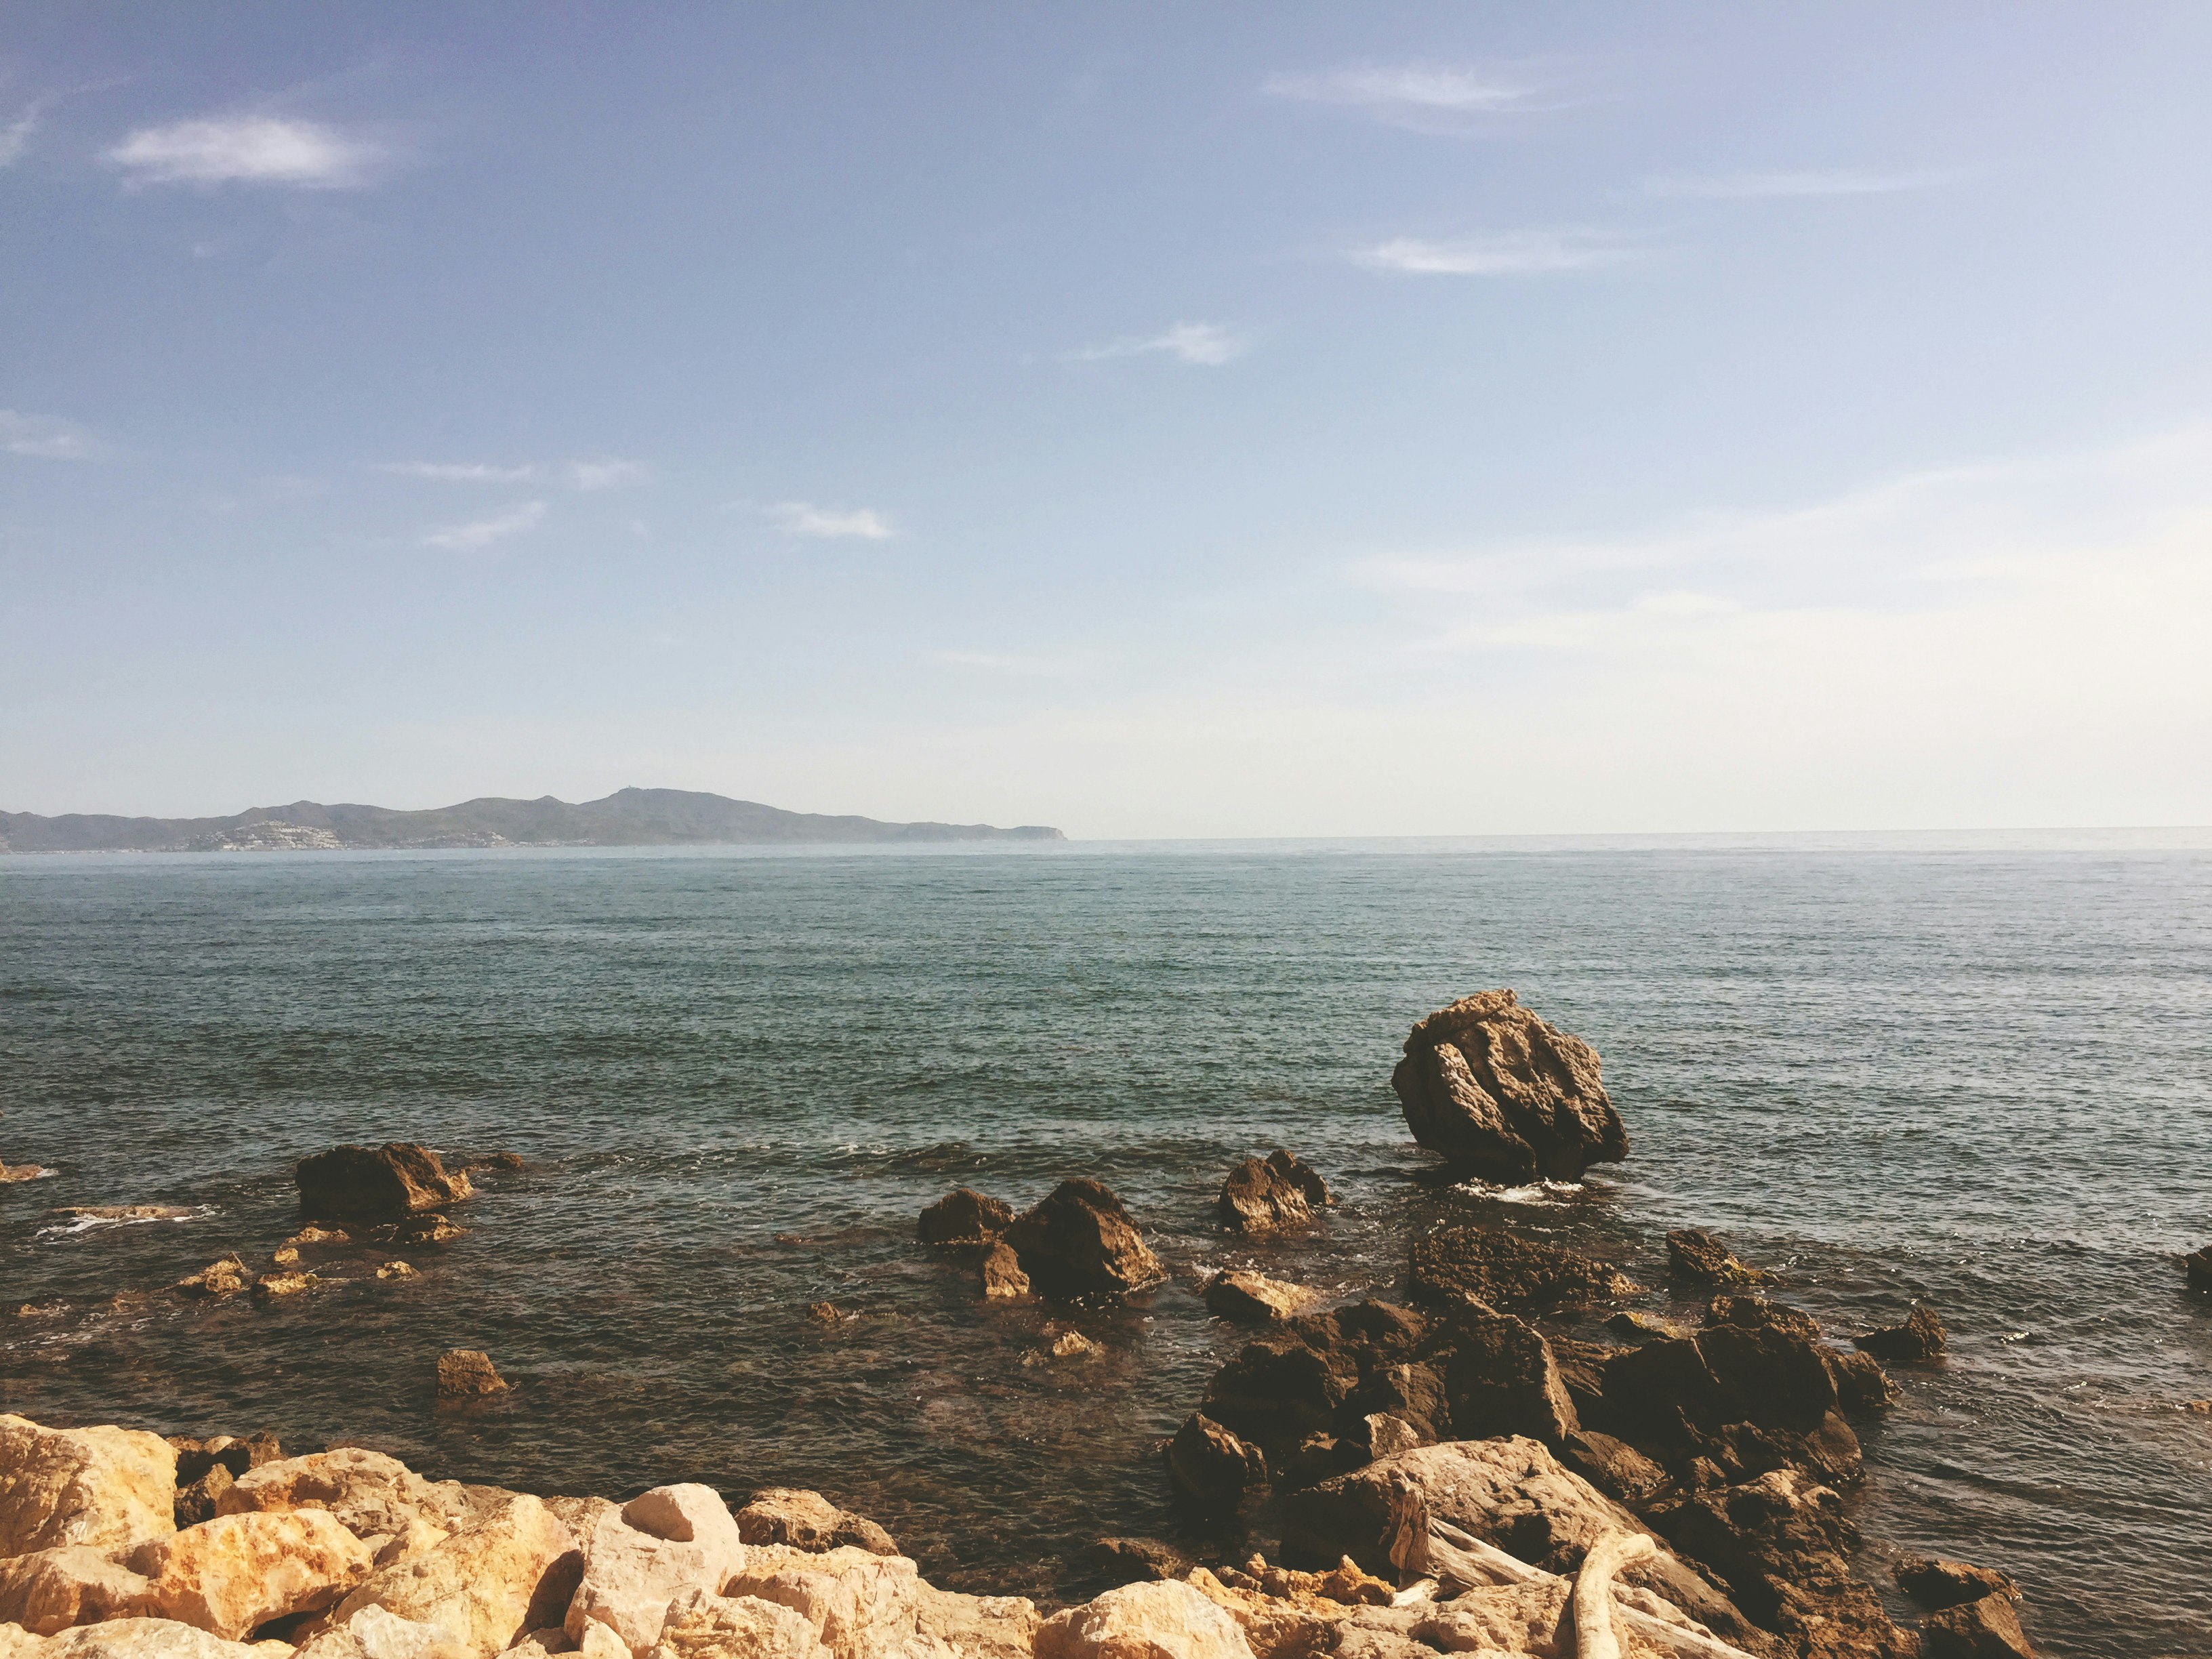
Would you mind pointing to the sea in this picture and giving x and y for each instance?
(1973, 1071)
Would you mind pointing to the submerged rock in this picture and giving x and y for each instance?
(1265, 1195)
(1493, 1089)
(2198, 1265)
(1251, 1299)
(1920, 1339)
(1080, 1240)
(223, 1278)
(1503, 1271)
(377, 1183)
(1936, 1584)
(108, 1488)
(964, 1216)
(269, 1287)
(21, 1172)
(1698, 1256)
(1001, 1272)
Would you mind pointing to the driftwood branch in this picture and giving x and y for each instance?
(1593, 1592)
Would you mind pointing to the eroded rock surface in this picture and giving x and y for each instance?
(109, 1488)
(493, 1579)
(1920, 1339)
(808, 1521)
(1506, 1271)
(1251, 1299)
(235, 1572)
(1698, 1256)
(1265, 1195)
(49, 1590)
(1079, 1240)
(637, 1559)
(964, 1216)
(1162, 1620)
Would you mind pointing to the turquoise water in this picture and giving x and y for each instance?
(1980, 1076)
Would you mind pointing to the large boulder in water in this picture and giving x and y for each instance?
(1265, 1195)
(964, 1216)
(1495, 1090)
(389, 1182)
(1080, 1240)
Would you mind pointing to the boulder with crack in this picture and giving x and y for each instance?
(107, 1488)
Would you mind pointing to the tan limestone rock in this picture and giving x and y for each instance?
(483, 1586)
(269, 1286)
(637, 1559)
(49, 1590)
(107, 1487)
(860, 1604)
(950, 1625)
(378, 1498)
(379, 1633)
(223, 1278)
(147, 1638)
(1165, 1620)
(466, 1372)
(236, 1571)
(808, 1521)
(1251, 1299)
(703, 1626)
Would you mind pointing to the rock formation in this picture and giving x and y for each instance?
(1504, 1270)
(1701, 1258)
(388, 1184)
(109, 1488)
(1251, 1299)
(468, 1373)
(1079, 1240)
(808, 1521)
(1265, 1195)
(1920, 1339)
(1496, 1092)
(964, 1216)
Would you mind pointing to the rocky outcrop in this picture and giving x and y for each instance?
(701, 1624)
(1704, 1259)
(1265, 1195)
(468, 1373)
(378, 1498)
(227, 1277)
(858, 1604)
(1158, 1620)
(964, 1216)
(638, 1559)
(1501, 1377)
(1504, 1271)
(1496, 1091)
(1985, 1629)
(107, 1488)
(1920, 1339)
(237, 1571)
(386, 1183)
(12, 1172)
(1080, 1241)
(510, 1572)
(1251, 1299)
(375, 1633)
(808, 1521)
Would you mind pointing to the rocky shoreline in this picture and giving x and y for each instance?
(1461, 1470)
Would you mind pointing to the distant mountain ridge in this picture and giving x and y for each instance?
(629, 818)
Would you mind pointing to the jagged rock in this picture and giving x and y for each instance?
(1697, 1256)
(269, 1287)
(376, 1497)
(858, 1604)
(1133, 1560)
(1503, 1378)
(1751, 1398)
(237, 1571)
(1513, 1274)
(1492, 1620)
(636, 1560)
(1251, 1299)
(485, 1585)
(1072, 1345)
(395, 1270)
(1211, 1468)
(197, 1502)
(468, 1373)
(1985, 1629)
(1756, 1313)
(1936, 1584)
(1862, 1385)
(378, 1633)
(1002, 1273)
(107, 1488)
(2198, 1265)
(808, 1521)
(1920, 1339)
(1633, 1327)
(964, 1216)
(21, 1172)
(49, 1590)
(701, 1624)
(1494, 1090)
(377, 1183)
(1163, 1620)
(1510, 1493)
(432, 1232)
(504, 1163)
(137, 1638)
(1080, 1239)
(824, 1313)
(236, 1454)
(950, 1625)
(1265, 1195)
(1614, 1467)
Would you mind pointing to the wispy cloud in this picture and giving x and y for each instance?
(15, 136)
(1842, 181)
(1059, 667)
(1426, 97)
(44, 437)
(258, 149)
(830, 523)
(1206, 344)
(1512, 253)
(458, 471)
(606, 474)
(482, 532)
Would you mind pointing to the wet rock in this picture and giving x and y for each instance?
(701, 1624)
(1985, 1629)
(1133, 1560)
(1503, 1378)
(1862, 1385)
(1211, 1468)
(420, 1232)
(964, 1216)
(1080, 1240)
(1510, 1273)
(107, 1488)
(1072, 1345)
(637, 1559)
(483, 1586)
(824, 1313)
(1936, 1584)
(49, 1590)
(1002, 1275)
(1381, 1434)
(272, 1287)
(465, 1373)
(1494, 1090)
(237, 1571)
(1757, 1313)
(1631, 1326)
(859, 1605)
(125, 1212)
(808, 1521)
(223, 1278)
(1280, 1391)
(376, 1183)
(1251, 1299)
(2198, 1265)
(502, 1163)
(1265, 1195)
(1144, 1622)
(1701, 1258)
(21, 1172)
(395, 1270)
(1920, 1339)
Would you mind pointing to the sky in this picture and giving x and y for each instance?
(1151, 420)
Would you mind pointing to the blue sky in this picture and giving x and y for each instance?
(1153, 420)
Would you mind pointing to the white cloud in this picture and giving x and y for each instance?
(1512, 253)
(15, 136)
(482, 532)
(44, 437)
(1057, 667)
(606, 474)
(261, 149)
(459, 472)
(805, 518)
(1426, 97)
(1206, 344)
(1755, 187)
